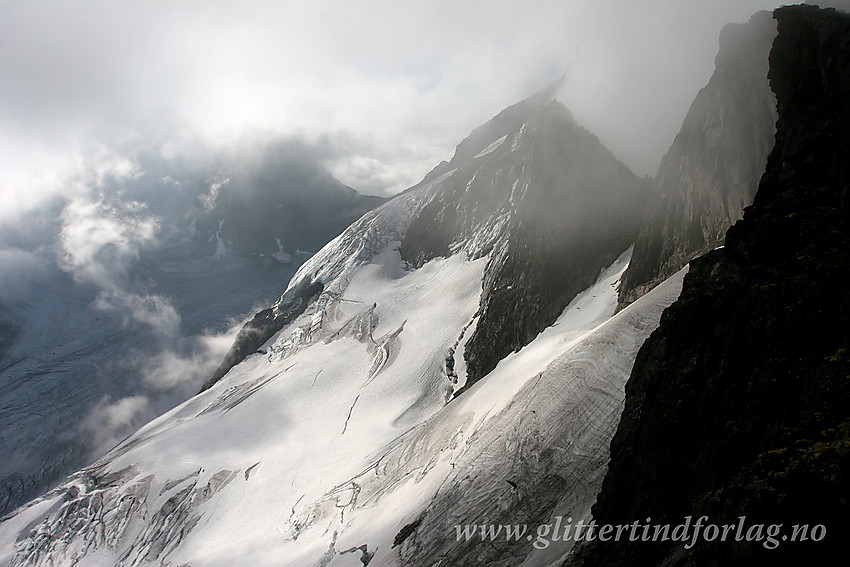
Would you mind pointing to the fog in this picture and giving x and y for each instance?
(393, 86)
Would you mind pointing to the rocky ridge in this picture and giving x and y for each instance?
(713, 167)
(550, 205)
(738, 404)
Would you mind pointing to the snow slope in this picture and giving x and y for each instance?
(531, 440)
(376, 372)
(294, 457)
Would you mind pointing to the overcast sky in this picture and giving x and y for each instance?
(390, 87)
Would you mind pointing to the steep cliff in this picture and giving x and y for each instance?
(713, 167)
(551, 205)
(739, 404)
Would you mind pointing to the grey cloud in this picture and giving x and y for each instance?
(108, 421)
(100, 241)
(166, 377)
(405, 80)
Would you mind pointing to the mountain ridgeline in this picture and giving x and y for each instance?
(739, 404)
(552, 207)
(287, 205)
(531, 189)
(713, 167)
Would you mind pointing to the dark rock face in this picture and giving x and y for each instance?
(469, 203)
(550, 202)
(712, 170)
(739, 404)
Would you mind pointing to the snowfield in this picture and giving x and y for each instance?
(299, 454)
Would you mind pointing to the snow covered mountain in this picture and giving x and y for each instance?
(532, 191)
(133, 297)
(458, 357)
(361, 402)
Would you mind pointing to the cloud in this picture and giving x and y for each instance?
(111, 420)
(166, 377)
(100, 241)
(405, 79)
(181, 371)
(368, 174)
(154, 311)
(208, 199)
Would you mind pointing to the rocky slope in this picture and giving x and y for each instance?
(738, 403)
(551, 206)
(712, 170)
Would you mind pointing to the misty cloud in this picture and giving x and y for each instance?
(404, 80)
(108, 421)
(154, 311)
(99, 243)
(170, 372)
(208, 199)
(167, 377)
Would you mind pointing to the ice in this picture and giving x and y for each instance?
(342, 443)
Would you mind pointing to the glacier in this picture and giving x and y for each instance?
(354, 429)
(351, 438)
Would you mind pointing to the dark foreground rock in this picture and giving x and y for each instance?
(739, 404)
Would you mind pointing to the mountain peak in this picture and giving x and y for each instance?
(546, 201)
(507, 121)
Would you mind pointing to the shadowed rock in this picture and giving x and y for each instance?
(739, 404)
(712, 170)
